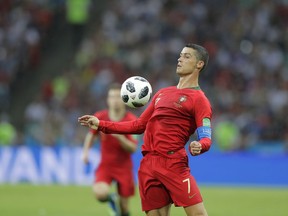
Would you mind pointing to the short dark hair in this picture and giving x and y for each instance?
(201, 53)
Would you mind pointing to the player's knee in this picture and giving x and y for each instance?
(200, 213)
(196, 210)
(101, 192)
(101, 196)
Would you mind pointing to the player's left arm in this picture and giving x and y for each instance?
(203, 116)
(129, 144)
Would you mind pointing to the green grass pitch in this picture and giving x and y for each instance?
(57, 200)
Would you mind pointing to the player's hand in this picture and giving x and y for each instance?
(90, 121)
(85, 158)
(195, 148)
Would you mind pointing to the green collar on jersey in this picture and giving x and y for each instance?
(196, 88)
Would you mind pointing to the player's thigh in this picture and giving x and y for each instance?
(197, 209)
(152, 192)
(180, 183)
(164, 211)
(125, 183)
(103, 174)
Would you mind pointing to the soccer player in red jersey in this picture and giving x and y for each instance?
(173, 115)
(116, 163)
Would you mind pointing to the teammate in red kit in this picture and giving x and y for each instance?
(116, 150)
(173, 115)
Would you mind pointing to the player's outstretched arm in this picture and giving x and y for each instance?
(90, 121)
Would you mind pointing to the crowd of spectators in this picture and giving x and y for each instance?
(246, 80)
(23, 26)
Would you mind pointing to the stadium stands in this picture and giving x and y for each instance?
(247, 77)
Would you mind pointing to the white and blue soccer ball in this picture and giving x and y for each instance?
(136, 91)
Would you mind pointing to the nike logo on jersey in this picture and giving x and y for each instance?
(190, 197)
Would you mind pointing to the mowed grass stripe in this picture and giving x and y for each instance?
(58, 200)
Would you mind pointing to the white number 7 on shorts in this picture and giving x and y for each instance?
(188, 181)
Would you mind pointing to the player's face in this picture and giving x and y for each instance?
(114, 100)
(187, 62)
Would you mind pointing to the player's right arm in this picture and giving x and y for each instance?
(137, 126)
(88, 142)
(90, 121)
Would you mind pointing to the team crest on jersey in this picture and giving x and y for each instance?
(181, 99)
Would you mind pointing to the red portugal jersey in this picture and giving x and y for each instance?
(112, 153)
(170, 119)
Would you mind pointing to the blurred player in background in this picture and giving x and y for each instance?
(173, 115)
(116, 150)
